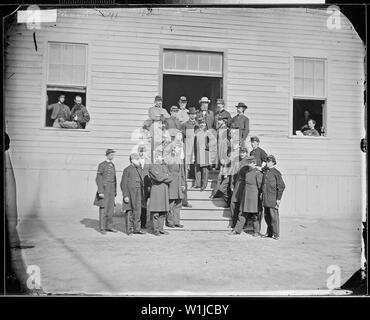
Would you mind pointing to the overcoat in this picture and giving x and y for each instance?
(188, 131)
(208, 116)
(105, 169)
(272, 188)
(223, 114)
(160, 179)
(132, 186)
(178, 181)
(260, 155)
(239, 181)
(253, 184)
(201, 148)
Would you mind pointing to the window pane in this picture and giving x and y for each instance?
(308, 87)
(169, 60)
(66, 74)
(192, 61)
(67, 54)
(54, 54)
(319, 87)
(308, 68)
(216, 63)
(203, 62)
(298, 86)
(54, 73)
(79, 55)
(79, 75)
(319, 69)
(180, 61)
(298, 68)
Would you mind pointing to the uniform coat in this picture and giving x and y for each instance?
(272, 188)
(260, 155)
(155, 113)
(253, 184)
(239, 181)
(160, 179)
(83, 116)
(178, 181)
(208, 117)
(173, 125)
(241, 122)
(132, 186)
(223, 114)
(106, 181)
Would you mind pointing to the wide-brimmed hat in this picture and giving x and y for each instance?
(192, 110)
(204, 100)
(109, 151)
(271, 158)
(241, 105)
(255, 138)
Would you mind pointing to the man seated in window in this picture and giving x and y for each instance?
(307, 116)
(311, 131)
(60, 113)
(79, 116)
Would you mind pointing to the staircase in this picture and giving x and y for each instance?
(206, 214)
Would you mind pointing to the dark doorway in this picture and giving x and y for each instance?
(192, 87)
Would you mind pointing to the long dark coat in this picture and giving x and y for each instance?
(132, 186)
(104, 169)
(209, 118)
(241, 122)
(159, 196)
(239, 181)
(253, 184)
(201, 148)
(178, 181)
(272, 188)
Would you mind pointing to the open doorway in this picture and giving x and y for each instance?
(192, 87)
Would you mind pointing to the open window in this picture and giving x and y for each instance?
(310, 96)
(66, 75)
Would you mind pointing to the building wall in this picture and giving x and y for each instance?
(55, 169)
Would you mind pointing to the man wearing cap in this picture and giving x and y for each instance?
(61, 112)
(132, 186)
(237, 185)
(183, 112)
(188, 131)
(272, 191)
(206, 114)
(250, 199)
(159, 203)
(222, 112)
(241, 121)
(157, 112)
(107, 190)
(144, 165)
(174, 124)
(258, 153)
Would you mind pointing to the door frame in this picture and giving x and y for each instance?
(224, 52)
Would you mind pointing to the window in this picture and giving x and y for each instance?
(310, 95)
(66, 75)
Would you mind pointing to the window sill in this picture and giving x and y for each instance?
(309, 137)
(64, 129)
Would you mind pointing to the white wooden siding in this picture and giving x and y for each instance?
(124, 76)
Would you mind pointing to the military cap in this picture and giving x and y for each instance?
(158, 98)
(255, 138)
(241, 105)
(183, 98)
(243, 150)
(174, 108)
(221, 101)
(192, 110)
(109, 151)
(271, 158)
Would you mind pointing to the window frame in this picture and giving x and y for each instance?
(71, 39)
(313, 55)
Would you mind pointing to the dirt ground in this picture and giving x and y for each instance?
(74, 258)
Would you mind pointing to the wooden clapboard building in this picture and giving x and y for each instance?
(278, 61)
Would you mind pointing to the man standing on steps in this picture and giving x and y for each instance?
(241, 122)
(183, 112)
(237, 186)
(222, 113)
(159, 198)
(107, 191)
(188, 131)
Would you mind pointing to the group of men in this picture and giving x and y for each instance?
(187, 141)
(65, 117)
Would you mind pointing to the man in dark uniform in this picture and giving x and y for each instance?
(144, 164)
(241, 122)
(272, 192)
(132, 186)
(173, 123)
(207, 115)
(259, 154)
(237, 185)
(159, 203)
(107, 191)
(188, 131)
(222, 112)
